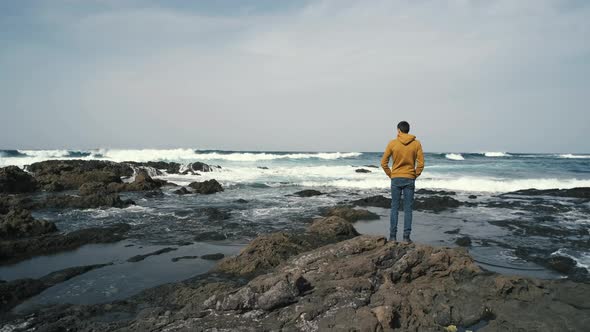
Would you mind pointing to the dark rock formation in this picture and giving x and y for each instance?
(351, 214)
(85, 202)
(138, 258)
(12, 251)
(435, 192)
(20, 223)
(142, 182)
(435, 203)
(464, 241)
(426, 203)
(562, 264)
(472, 197)
(206, 187)
(262, 167)
(241, 201)
(308, 193)
(168, 167)
(14, 180)
(582, 192)
(181, 191)
(71, 174)
(176, 259)
(362, 170)
(376, 201)
(213, 257)
(14, 292)
(201, 167)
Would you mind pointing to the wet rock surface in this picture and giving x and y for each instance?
(213, 257)
(432, 203)
(362, 170)
(168, 167)
(139, 258)
(308, 193)
(14, 180)
(84, 202)
(363, 283)
(351, 214)
(14, 292)
(12, 251)
(206, 187)
(19, 223)
(582, 192)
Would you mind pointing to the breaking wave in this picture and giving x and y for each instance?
(574, 156)
(496, 154)
(454, 156)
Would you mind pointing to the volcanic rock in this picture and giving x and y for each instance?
(15, 180)
(308, 193)
(206, 187)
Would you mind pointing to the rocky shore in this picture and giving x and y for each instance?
(324, 277)
(330, 278)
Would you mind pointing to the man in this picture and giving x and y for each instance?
(408, 163)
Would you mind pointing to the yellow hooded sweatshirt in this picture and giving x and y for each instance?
(408, 158)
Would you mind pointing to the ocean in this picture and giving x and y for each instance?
(258, 199)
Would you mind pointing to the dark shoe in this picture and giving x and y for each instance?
(407, 239)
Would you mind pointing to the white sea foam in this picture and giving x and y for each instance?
(574, 156)
(271, 156)
(496, 154)
(454, 156)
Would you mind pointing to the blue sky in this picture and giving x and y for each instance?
(497, 75)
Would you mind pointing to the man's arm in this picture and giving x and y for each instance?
(385, 161)
(419, 160)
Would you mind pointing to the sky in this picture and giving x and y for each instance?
(325, 75)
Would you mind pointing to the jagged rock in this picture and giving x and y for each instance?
(93, 188)
(429, 203)
(20, 223)
(362, 170)
(12, 251)
(142, 182)
(214, 213)
(201, 167)
(14, 180)
(71, 174)
(308, 193)
(14, 292)
(168, 167)
(351, 214)
(206, 187)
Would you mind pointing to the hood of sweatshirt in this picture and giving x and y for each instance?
(405, 139)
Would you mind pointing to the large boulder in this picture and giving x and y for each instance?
(71, 174)
(15, 180)
(20, 223)
(333, 226)
(206, 187)
(168, 167)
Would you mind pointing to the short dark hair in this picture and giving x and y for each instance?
(404, 127)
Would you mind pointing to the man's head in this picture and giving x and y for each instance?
(403, 127)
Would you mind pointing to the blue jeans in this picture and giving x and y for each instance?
(397, 186)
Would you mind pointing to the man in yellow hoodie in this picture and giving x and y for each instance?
(408, 163)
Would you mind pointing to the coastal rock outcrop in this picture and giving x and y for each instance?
(431, 203)
(580, 192)
(206, 187)
(14, 180)
(71, 174)
(85, 202)
(19, 223)
(308, 193)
